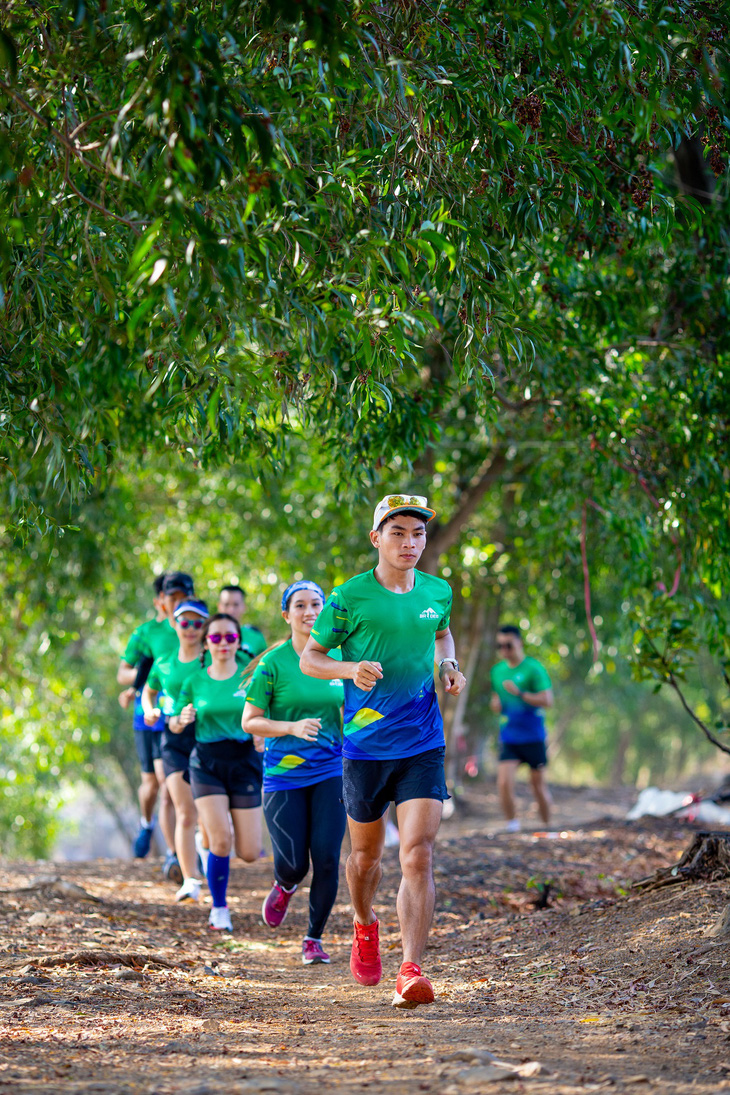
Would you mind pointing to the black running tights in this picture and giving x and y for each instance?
(304, 822)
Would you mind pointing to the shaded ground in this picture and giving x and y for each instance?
(607, 990)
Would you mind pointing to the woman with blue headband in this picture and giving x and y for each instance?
(301, 719)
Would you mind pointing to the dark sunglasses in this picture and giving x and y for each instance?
(185, 624)
(230, 637)
(505, 646)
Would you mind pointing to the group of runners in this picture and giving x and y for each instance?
(230, 732)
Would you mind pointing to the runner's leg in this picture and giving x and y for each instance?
(506, 770)
(185, 818)
(147, 794)
(363, 865)
(213, 811)
(326, 830)
(247, 828)
(287, 819)
(165, 810)
(418, 823)
(542, 793)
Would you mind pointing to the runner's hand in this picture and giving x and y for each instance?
(454, 681)
(495, 703)
(150, 720)
(367, 675)
(306, 729)
(511, 687)
(126, 697)
(259, 744)
(187, 715)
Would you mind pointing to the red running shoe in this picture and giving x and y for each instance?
(276, 904)
(412, 988)
(365, 964)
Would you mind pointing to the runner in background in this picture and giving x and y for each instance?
(522, 688)
(225, 769)
(393, 626)
(133, 670)
(163, 686)
(232, 601)
(152, 640)
(301, 719)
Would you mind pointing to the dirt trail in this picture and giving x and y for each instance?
(606, 990)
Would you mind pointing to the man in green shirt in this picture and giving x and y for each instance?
(393, 626)
(521, 689)
(232, 600)
(151, 640)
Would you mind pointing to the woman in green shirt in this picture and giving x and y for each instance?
(225, 769)
(301, 719)
(166, 679)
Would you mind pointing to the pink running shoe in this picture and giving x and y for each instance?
(365, 964)
(312, 953)
(275, 906)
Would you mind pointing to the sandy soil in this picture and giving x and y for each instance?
(604, 989)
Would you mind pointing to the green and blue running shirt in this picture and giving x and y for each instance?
(400, 716)
(520, 723)
(167, 677)
(284, 694)
(152, 639)
(218, 705)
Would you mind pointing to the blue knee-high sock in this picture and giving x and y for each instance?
(218, 866)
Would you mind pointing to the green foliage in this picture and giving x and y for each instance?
(214, 230)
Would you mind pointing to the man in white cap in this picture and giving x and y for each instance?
(393, 626)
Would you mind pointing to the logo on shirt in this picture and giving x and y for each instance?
(429, 614)
(335, 683)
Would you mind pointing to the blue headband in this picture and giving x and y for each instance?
(295, 587)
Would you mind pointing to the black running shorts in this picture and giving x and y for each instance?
(148, 744)
(369, 786)
(533, 753)
(232, 768)
(176, 749)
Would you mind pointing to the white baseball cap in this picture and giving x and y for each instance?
(402, 503)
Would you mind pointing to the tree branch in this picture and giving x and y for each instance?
(445, 536)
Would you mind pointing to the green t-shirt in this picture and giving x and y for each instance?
(520, 722)
(167, 676)
(252, 644)
(152, 639)
(284, 693)
(218, 706)
(400, 716)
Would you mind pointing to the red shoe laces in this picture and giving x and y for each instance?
(367, 945)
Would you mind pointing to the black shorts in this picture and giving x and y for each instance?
(369, 786)
(232, 768)
(533, 753)
(148, 744)
(176, 749)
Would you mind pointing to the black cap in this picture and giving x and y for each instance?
(178, 582)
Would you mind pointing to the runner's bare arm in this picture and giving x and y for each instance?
(255, 723)
(453, 679)
(544, 698)
(126, 674)
(315, 662)
(149, 705)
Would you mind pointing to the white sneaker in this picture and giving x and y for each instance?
(220, 919)
(513, 825)
(189, 891)
(202, 852)
(392, 836)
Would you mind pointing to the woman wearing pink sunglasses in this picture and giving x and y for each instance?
(225, 769)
